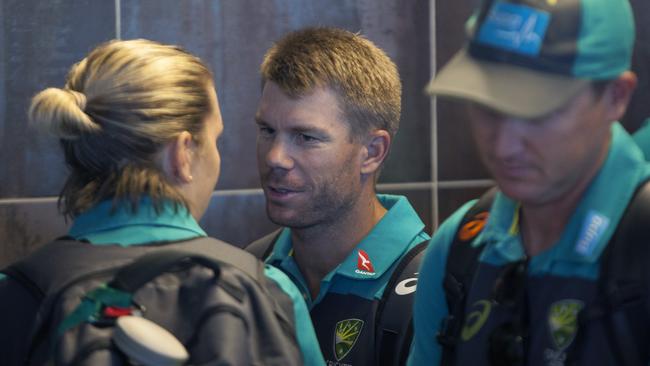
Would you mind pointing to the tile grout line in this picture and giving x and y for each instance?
(118, 19)
(407, 186)
(434, 117)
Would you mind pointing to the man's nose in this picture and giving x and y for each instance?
(279, 154)
(508, 137)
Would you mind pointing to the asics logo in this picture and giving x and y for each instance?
(407, 286)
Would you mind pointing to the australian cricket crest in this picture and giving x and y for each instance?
(345, 336)
(563, 322)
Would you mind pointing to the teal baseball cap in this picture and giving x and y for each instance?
(528, 58)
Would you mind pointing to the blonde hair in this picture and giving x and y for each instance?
(120, 105)
(366, 81)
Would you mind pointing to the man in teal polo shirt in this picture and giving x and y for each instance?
(329, 110)
(545, 82)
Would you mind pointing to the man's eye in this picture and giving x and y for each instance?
(307, 138)
(265, 131)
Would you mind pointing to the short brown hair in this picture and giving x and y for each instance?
(363, 76)
(119, 107)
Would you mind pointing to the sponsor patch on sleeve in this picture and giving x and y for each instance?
(593, 228)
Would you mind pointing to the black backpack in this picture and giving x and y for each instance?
(623, 282)
(213, 297)
(394, 330)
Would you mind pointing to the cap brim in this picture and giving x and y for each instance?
(509, 89)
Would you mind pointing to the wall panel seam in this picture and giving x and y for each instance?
(118, 19)
(405, 186)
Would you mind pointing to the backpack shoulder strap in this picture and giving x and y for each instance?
(225, 253)
(16, 274)
(145, 268)
(628, 251)
(262, 247)
(462, 262)
(57, 263)
(51, 266)
(624, 282)
(280, 302)
(394, 329)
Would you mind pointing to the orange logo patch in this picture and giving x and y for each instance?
(472, 228)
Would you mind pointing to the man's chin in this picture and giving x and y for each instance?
(290, 220)
(526, 195)
(280, 216)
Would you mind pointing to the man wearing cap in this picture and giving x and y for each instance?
(545, 82)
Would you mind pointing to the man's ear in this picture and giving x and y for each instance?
(375, 151)
(178, 155)
(618, 95)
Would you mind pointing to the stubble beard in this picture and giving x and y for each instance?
(327, 207)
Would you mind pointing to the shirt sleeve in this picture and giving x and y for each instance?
(305, 332)
(430, 306)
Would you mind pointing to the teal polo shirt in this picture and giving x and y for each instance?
(104, 225)
(576, 253)
(394, 235)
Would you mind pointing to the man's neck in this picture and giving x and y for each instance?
(542, 225)
(320, 249)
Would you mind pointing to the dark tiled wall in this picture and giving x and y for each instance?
(232, 36)
(40, 40)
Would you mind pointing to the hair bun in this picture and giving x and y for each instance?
(80, 98)
(61, 112)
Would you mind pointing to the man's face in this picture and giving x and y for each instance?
(541, 160)
(309, 166)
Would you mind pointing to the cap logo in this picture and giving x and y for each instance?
(364, 266)
(516, 28)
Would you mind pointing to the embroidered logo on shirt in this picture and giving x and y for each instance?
(364, 266)
(346, 334)
(593, 228)
(563, 322)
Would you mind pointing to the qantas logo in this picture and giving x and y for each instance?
(364, 266)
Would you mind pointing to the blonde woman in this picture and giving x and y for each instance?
(139, 123)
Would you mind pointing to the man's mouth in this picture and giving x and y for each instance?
(281, 190)
(277, 192)
(513, 170)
